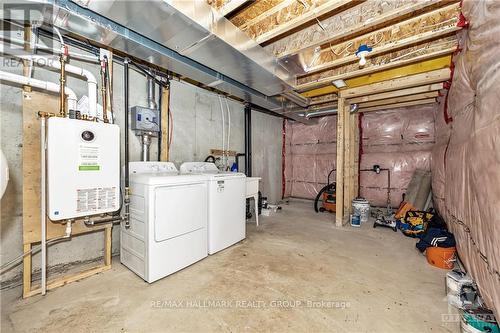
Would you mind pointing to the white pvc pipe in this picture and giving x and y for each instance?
(42, 205)
(223, 126)
(49, 86)
(91, 80)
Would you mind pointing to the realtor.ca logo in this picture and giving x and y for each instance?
(19, 28)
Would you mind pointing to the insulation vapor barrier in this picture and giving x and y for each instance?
(400, 140)
(466, 158)
(310, 154)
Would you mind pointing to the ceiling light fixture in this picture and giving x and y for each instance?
(362, 52)
(339, 84)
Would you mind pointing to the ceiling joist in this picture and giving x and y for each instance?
(397, 93)
(265, 14)
(398, 105)
(427, 27)
(309, 15)
(435, 76)
(340, 28)
(232, 6)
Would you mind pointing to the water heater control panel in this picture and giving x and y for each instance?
(144, 119)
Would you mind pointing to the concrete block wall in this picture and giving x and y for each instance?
(197, 128)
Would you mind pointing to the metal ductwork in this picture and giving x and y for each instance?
(197, 31)
(186, 37)
(325, 111)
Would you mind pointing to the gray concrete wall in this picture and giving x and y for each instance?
(197, 129)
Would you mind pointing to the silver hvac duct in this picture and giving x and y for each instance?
(187, 37)
(326, 111)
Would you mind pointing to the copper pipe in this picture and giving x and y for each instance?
(62, 81)
(104, 92)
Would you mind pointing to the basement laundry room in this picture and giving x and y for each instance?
(250, 166)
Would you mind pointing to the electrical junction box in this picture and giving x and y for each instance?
(144, 119)
(83, 168)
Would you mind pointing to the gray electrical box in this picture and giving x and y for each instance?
(145, 119)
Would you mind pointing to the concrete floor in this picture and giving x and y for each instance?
(296, 272)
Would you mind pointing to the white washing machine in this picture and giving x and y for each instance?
(226, 204)
(168, 220)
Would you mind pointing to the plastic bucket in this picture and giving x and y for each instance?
(361, 207)
(442, 257)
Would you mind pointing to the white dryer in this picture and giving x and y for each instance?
(226, 204)
(168, 220)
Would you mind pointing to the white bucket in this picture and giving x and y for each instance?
(361, 207)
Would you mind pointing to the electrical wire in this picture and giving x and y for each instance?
(34, 249)
(228, 129)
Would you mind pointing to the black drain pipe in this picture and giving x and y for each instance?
(127, 189)
(248, 140)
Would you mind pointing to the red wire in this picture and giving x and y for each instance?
(283, 156)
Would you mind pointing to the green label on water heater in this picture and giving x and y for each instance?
(89, 168)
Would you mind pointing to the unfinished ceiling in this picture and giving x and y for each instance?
(319, 39)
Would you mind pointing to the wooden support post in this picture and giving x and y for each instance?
(26, 270)
(339, 216)
(165, 125)
(107, 245)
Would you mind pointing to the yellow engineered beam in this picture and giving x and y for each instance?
(393, 73)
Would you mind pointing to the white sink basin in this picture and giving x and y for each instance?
(252, 186)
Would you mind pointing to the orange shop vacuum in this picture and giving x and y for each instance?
(327, 196)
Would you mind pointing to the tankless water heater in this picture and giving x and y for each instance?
(83, 168)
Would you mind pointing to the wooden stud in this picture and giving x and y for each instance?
(339, 174)
(389, 18)
(165, 125)
(218, 152)
(107, 244)
(59, 282)
(402, 68)
(401, 99)
(26, 270)
(397, 93)
(438, 75)
(297, 21)
(398, 105)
